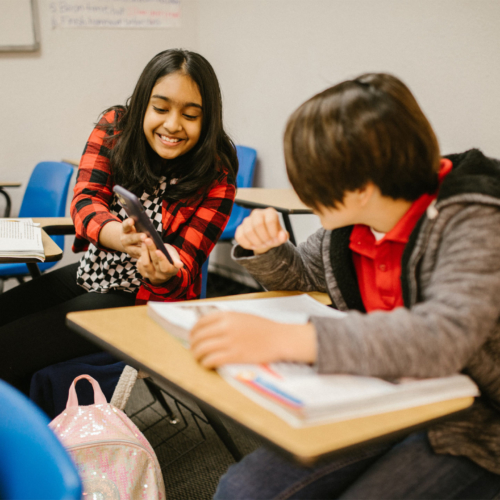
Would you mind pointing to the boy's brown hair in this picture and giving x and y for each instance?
(370, 129)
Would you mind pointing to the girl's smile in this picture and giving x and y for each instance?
(173, 119)
(169, 141)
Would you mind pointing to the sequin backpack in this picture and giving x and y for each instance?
(113, 458)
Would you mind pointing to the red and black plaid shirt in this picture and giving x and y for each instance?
(192, 227)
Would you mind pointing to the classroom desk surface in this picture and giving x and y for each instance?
(131, 335)
(56, 225)
(284, 201)
(52, 252)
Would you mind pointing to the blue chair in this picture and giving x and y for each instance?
(45, 196)
(33, 463)
(246, 158)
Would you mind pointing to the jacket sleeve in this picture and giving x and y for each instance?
(193, 231)
(439, 335)
(93, 191)
(287, 267)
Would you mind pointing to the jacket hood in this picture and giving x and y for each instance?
(472, 173)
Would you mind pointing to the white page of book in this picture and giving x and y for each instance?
(20, 236)
(332, 398)
(291, 309)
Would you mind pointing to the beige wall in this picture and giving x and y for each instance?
(270, 55)
(50, 100)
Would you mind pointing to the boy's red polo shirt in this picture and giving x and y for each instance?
(378, 263)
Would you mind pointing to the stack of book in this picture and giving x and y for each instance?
(296, 392)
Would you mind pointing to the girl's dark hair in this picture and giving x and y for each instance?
(370, 129)
(134, 163)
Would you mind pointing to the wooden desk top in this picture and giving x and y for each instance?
(130, 334)
(75, 163)
(52, 251)
(283, 200)
(56, 225)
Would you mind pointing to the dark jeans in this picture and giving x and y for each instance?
(407, 470)
(33, 331)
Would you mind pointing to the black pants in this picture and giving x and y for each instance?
(33, 331)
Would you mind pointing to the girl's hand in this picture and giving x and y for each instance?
(261, 231)
(153, 264)
(231, 337)
(130, 239)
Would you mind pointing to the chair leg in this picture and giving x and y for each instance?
(221, 431)
(156, 393)
(1, 285)
(20, 279)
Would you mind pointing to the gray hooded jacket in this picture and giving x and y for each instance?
(451, 288)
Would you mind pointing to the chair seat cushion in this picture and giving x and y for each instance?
(14, 270)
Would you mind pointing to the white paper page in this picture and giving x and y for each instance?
(20, 236)
(291, 309)
(329, 398)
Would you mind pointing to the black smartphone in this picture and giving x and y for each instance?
(143, 224)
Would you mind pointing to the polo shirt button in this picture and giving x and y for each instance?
(382, 267)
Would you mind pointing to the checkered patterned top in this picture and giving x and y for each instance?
(192, 226)
(100, 271)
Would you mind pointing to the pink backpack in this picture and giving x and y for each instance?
(113, 458)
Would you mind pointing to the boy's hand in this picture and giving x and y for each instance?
(153, 264)
(130, 238)
(231, 337)
(261, 231)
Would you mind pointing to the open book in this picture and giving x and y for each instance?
(178, 318)
(294, 391)
(21, 239)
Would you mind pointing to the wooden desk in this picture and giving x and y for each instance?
(131, 335)
(4, 193)
(52, 254)
(56, 225)
(284, 201)
(75, 163)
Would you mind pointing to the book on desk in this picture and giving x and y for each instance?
(296, 392)
(21, 239)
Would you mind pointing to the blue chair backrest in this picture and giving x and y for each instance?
(47, 193)
(47, 190)
(247, 158)
(33, 463)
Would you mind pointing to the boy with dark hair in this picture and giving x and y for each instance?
(410, 248)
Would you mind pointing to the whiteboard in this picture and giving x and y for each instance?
(18, 26)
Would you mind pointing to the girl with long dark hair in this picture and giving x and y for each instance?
(169, 147)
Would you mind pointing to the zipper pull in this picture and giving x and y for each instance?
(432, 211)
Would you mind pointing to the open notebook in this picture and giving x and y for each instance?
(294, 391)
(21, 239)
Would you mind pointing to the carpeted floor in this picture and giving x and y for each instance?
(191, 455)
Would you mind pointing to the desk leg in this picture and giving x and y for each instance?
(221, 431)
(288, 227)
(156, 392)
(8, 203)
(33, 269)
